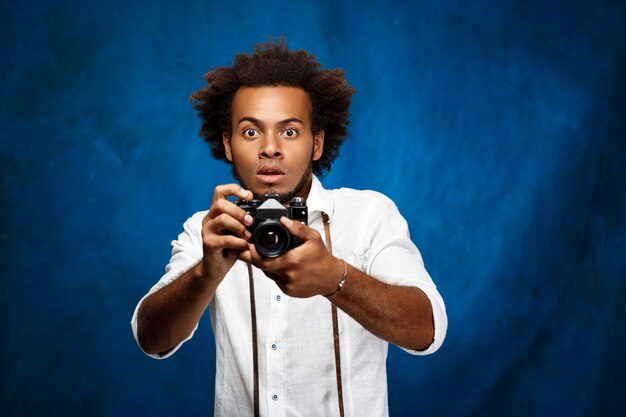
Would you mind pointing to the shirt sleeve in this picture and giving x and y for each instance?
(390, 256)
(186, 253)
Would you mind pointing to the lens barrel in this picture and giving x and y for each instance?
(271, 239)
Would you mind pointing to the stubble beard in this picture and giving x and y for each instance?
(282, 197)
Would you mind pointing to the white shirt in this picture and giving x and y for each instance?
(295, 337)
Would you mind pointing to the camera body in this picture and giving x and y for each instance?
(271, 238)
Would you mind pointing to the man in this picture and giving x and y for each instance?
(281, 346)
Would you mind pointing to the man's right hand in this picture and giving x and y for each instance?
(167, 316)
(224, 233)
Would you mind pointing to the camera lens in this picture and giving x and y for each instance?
(271, 238)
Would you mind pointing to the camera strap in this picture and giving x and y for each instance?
(329, 246)
(255, 348)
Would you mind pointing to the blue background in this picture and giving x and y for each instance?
(498, 128)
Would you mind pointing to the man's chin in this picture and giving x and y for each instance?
(284, 194)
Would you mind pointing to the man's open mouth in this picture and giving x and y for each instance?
(270, 174)
(267, 170)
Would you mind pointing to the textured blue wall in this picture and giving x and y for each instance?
(497, 127)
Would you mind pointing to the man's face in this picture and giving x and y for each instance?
(271, 145)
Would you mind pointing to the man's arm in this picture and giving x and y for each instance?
(401, 315)
(167, 317)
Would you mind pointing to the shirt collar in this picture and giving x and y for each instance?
(319, 199)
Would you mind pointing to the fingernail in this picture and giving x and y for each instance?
(248, 219)
(247, 234)
(288, 221)
(243, 192)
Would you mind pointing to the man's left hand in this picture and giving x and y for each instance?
(304, 271)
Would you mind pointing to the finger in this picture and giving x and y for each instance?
(245, 256)
(261, 262)
(219, 242)
(220, 207)
(225, 224)
(298, 229)
(265, 264)
(276, 278)
(227, 190)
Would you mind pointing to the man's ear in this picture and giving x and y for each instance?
(227, 150)
(318, 145)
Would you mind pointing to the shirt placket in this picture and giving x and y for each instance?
(275, 351)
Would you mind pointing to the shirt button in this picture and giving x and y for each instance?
(278, 298)
(275, 397)
(274, 346)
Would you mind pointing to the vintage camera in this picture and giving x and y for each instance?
(271, 238)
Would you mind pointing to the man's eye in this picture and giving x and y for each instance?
(250, 133)
(291, 133)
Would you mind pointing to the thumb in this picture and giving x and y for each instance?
(297, 229)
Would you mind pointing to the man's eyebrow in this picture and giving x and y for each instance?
(290, 120)
(249, 119)
(258, 122)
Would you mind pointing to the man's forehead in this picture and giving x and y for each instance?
(271, 104)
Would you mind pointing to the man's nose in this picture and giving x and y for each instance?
(270, 147)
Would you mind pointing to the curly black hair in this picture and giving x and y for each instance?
(273, 64)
